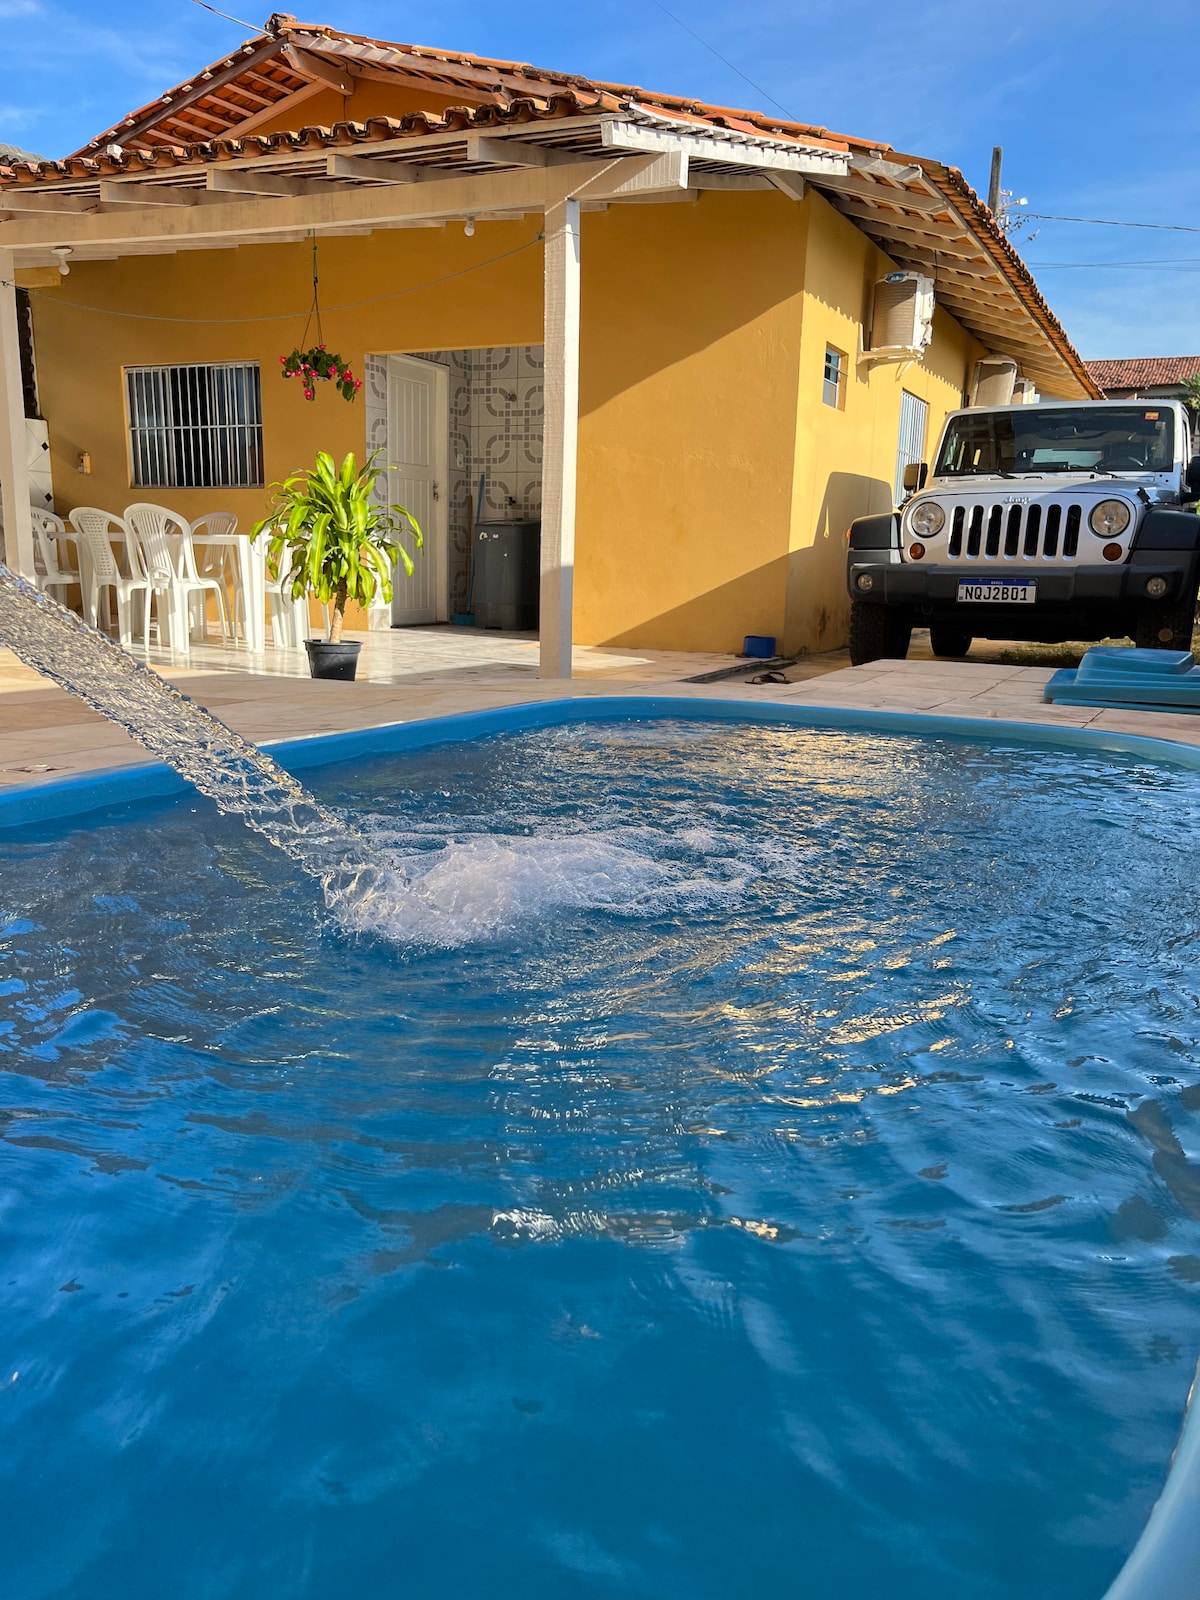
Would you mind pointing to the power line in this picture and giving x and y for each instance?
(1107, 222)
(1181, 264)
(249, 26)
(725, 61)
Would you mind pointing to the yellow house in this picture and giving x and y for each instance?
(654, 326)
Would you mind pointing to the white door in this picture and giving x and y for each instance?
(418, 443)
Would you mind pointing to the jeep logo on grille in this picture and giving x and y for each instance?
(1016, 499)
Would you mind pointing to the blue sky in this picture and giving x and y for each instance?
(1096, 102)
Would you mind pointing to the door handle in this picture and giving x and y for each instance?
(434, 490)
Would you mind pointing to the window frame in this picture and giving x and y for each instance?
(838, 382)
(194, 425)
(901, 460)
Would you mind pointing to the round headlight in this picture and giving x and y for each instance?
(927, 518)
(1109, 519)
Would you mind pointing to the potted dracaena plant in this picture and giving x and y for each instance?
(328, 538)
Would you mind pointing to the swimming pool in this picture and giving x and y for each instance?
(755, 1160)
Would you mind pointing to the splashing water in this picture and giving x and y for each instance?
(474, 888)
(216, 760)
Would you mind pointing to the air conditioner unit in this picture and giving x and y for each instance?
(902, 315)
(1025, 392)
(993, 381)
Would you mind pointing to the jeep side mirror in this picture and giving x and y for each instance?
(916, 472)
(1192, 476)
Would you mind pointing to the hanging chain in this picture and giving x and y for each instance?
(314, 310)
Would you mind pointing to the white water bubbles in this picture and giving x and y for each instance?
(490, 886)
(453, 882)
(468, 880)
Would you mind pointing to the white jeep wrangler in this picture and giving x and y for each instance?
(1046, 522)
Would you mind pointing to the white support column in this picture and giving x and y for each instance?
(14, 449)
(561, 436)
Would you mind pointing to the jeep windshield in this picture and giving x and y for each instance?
(1076, 439)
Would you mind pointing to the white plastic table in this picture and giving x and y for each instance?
(252, 577)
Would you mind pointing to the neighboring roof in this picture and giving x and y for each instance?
(923, 215)
(1144, 372)
(13, 152)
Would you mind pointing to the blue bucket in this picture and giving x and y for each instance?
(759, 645)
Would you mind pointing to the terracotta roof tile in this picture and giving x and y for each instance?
(1143, 372)
(271, 67)
(487, 94)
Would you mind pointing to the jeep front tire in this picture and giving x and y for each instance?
(877, 633)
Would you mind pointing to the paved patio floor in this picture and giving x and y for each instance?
(415, 673)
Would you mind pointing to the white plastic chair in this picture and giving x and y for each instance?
(94, 531)
(155, 529)
(220, 561)
(48, 556)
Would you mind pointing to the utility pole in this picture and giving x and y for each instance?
(994, 184)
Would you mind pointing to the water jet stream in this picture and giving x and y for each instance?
(238, 776)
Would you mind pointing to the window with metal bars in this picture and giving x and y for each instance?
(196, 427)
(910, 448)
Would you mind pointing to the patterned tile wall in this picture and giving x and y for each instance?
(495, 429)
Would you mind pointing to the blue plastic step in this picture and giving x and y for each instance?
(1151, 680)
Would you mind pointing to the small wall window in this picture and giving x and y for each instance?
(833, 388)
(196, 427)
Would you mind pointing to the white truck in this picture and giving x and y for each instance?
(1060, 520)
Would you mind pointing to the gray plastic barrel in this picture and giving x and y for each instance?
(507, 575)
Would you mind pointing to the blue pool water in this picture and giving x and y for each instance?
(754, 1161)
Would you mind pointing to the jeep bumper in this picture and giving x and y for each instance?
(933, 590)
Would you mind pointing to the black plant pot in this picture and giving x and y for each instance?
(327, 660)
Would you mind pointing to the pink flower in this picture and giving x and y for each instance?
(357, 385)
(309, 394)
(347, 376)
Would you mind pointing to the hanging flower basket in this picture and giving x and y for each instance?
(318, 365)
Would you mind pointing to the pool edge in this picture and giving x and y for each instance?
(22, 805)
(1163, 1562)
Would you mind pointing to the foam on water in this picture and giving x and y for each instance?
(480, 888)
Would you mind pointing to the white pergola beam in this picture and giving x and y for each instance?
(732, 180)
(50, 202)
(263, 182)
(560, 438)
(342, 166)
(324, 207)
(330, 206)
(663, 174)
(14, 449)
(126, 192)
(514, 152)
(864, 189)
(738, 152)
(788, 183)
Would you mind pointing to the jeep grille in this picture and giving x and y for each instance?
(1014, 533)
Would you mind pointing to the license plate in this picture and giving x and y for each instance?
(1018, 592)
